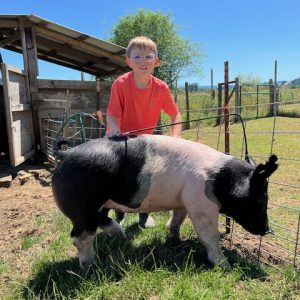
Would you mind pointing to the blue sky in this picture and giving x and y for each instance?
(251, 35)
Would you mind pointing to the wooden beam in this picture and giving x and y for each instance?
(20, 107)
(10, 40)
(83, 66)
(66, 84)
(9, 24)
(23, 45)
(79, 44)
(30, 64)
(45, 57)
(77, 53)
(53, 103)
(74, 67)
(82, 37)
(43, 24)
(14, 22)
(32, 58)
(67, 65)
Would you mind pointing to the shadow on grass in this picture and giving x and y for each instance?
(116, 257)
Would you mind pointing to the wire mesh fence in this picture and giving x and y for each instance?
(277, 134)
(76, 129)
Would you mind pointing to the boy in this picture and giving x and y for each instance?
(138, 97)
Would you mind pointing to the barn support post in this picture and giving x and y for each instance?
(31, 68)
(226, 121)
(187, 101)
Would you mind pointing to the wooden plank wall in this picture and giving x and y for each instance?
(4, 151)
(82, 94)
(60, 97)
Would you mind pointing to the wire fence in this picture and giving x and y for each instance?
(76, 129)
(278, 134)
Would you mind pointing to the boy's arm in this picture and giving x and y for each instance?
(176, 129)
(112, 123)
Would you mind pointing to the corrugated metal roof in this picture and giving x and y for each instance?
(64, 46)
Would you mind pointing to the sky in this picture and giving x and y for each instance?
(250, 35)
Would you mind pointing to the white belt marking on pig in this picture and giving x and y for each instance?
(169, 166)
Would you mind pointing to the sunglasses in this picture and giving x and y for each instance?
(140, 58)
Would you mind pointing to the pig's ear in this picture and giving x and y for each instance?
(250, 160)
(266, 170)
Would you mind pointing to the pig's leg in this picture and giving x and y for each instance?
(175, 222)
(83, 234)
(204, 216)
(119, 216)
(84, 244)
(145, 220)
(108, 225)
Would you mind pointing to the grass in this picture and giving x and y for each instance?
(28, 241)
(149, 266)
(3, 266)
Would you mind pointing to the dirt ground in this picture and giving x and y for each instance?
(24, 212)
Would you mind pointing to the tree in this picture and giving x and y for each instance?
(182, 56)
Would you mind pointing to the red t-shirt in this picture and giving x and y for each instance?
(139, 108)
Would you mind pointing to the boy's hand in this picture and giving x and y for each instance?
(98, 114)
(112, 123)
(114, 132)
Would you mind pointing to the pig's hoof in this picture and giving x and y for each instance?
(114, 229)
(224, 264)
(85, 264)
(149, 222)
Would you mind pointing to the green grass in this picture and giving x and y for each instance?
(28, 241)
(3, 266)
(149, 266)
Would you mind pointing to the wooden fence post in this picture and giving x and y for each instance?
(212, 91)
(187, 125)
(271, 93)
(220, 110)
(227, 124)
(237, 102)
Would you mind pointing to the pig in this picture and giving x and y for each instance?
(152, 173)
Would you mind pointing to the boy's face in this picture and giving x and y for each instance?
(142, 61)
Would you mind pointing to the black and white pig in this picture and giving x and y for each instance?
(151, 173)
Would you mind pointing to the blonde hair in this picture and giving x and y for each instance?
(141, 42)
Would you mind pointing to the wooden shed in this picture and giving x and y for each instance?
(25, 99)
